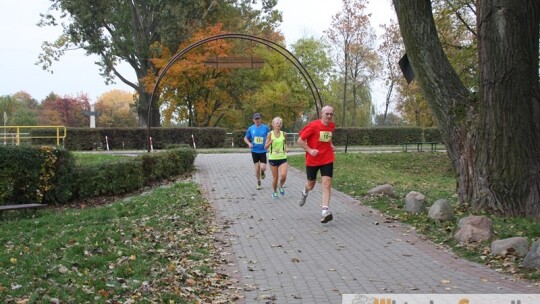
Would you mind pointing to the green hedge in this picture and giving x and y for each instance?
(109, 178)
(86, 139)
(34, 174)
(375, 136)
(238, 138)
(433, 135)
(49, 175)
(118, 177)
(380, 136)
(81, 139)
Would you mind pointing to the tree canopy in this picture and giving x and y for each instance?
(125, 31)
(64, 111)
(116, 109)
(353, 38)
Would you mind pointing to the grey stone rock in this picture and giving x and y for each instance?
(518, 246)
(414, 202)
(441, 211)
(532, 259)
(474, 229)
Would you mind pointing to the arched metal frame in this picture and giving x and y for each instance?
(276, 47)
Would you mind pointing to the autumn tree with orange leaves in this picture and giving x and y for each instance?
(117, 109)
(191, 93)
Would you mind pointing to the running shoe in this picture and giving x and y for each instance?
(281, 191)
(263, 174)
(326, 217)
(259, 186)
(302, 201)
(275, 196)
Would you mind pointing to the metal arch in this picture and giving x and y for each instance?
(271, 44)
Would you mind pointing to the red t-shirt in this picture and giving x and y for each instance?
(318, 136)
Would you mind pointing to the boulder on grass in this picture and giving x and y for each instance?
(532, 259)
(518, 246)
(414, 202)
(474, 229)
(441, 211)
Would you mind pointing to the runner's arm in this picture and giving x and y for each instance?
(268, 141)
(248, 143)
(303, 145)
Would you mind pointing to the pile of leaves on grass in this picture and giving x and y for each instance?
(157, 247)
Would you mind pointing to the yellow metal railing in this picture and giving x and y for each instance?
(17, 133)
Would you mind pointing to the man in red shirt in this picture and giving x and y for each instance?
(316, 140)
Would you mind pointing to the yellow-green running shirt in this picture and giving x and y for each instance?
(277, 148)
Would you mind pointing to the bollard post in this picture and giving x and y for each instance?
(347, 142)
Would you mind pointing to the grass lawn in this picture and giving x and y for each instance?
(430, 174)
(151, 248)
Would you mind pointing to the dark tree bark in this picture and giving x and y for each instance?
(493, 139)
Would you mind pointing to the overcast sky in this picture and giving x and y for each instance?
(75, 73)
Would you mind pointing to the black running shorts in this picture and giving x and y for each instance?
(326, 170)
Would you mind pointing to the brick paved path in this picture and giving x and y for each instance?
(283, 254)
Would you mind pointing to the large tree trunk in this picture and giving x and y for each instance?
(148, 116)
(143, 110)
(493, 141)
(509, 143)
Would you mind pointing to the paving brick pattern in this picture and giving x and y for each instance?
(283, 254)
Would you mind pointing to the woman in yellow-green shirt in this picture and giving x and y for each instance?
(276, 144)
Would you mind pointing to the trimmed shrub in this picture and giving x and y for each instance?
(49, 175)
(376, 136)
(115, 177)
(433, 135)
(85, 139)
(19, 177)
(118, 177)
(63, 181)
(35, 175)
(238, 138)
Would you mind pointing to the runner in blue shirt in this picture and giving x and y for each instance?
(255, 139)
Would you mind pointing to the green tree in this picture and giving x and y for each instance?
(125, 31)
(281, 90)
(20, 108)
(388, 119)
(364, 110)
(493, 137)
(456, 26)
(412, 105)
(315, 57)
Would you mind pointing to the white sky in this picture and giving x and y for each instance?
(76, 73)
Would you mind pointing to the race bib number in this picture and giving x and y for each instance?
(325, 136)
(258, 140)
